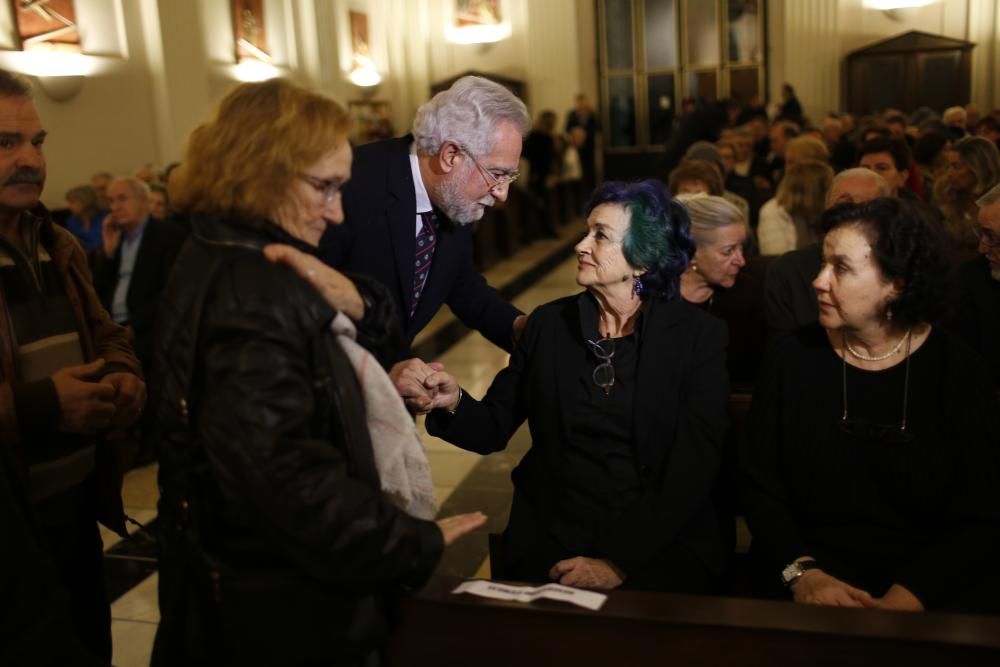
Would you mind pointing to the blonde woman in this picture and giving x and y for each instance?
(787, 220)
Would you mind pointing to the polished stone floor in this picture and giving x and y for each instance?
(464, 481)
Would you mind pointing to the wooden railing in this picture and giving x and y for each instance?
(436, 627)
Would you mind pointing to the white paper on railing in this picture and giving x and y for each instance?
(489, 589)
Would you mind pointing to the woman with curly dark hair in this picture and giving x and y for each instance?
(871, 469)
(624, 389)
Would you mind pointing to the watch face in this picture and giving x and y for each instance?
(791, 573)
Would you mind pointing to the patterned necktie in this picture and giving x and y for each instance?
(426, 240)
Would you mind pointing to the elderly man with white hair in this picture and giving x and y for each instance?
(411, 202)
(955, 117)
(138, 255)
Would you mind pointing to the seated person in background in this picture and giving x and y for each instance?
(978, 316)
(86, 219)
(871, 467)
(159, 203)
(137, 256)
(789, 298)
(973, 168)
(625, 391)
(787, 221)
(890, 159)
(704, 151)
(713, 281)
(100, 181)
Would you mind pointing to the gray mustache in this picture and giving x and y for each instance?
(25, 176)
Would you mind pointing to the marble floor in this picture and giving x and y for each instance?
(464, 481)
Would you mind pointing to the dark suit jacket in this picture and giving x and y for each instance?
(378, 238)
(161, 242)
(680, 416)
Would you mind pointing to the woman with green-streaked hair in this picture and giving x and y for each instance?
(624, 389)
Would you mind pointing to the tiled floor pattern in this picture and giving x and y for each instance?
(464, 481)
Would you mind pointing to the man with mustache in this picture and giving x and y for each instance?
(411, 202)
(67, 375)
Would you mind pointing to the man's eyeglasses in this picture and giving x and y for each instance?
(329, 188)
(604, 374)
(988, 237)
(496, 182)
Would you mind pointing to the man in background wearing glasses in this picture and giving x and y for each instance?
(979, 306)
(410, 203)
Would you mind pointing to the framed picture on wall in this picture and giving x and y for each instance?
(372, 121)
(477, 12)
(46, 24)
(248, 30)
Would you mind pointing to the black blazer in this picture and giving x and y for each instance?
(680, 417)
(161, 242)
(378, 238)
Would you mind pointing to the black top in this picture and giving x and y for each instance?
(876, 506)
(674, 424)
(741, 309)
(266, 463)
(600, 455)
(978, 317)
(789, 297)
(378, 239)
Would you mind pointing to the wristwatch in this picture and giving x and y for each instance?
(796, 569)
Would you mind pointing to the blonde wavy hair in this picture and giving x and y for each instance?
(802, 191)
(242, 162)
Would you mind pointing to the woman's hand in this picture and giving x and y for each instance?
(818, 587)
(454, 527)
(336, 288)
(443, 388)
(587, 573)
(899, 598)
(408, 377)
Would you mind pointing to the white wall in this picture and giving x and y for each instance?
(160, 65)
(808, 40)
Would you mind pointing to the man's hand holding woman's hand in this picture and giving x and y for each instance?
(424, 386)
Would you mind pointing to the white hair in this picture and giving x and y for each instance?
(139, 187)
(954, 111)
(882, 188)
(991, 196)
(709, 213)
(468, 113)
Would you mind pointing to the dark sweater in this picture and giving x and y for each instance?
(875, 508)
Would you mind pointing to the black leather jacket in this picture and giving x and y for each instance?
(278, 546)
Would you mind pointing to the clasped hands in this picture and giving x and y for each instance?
(819, 588)
(424, 386)
(585, 572)
(90, 402)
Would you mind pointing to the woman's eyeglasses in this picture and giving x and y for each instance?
(329, 188)
(604, 374)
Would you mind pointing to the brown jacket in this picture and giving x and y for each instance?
(100, 337)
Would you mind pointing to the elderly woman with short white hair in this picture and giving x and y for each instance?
(714, 282)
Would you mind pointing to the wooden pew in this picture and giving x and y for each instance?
(436, 627)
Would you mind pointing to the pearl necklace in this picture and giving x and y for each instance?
(881, 357)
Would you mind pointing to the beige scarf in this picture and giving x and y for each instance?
(400, 454)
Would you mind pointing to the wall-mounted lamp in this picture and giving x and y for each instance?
(364, 74)
(59, 74)
(255, 67)
(888, 5)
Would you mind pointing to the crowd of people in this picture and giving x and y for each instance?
(270, 308)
